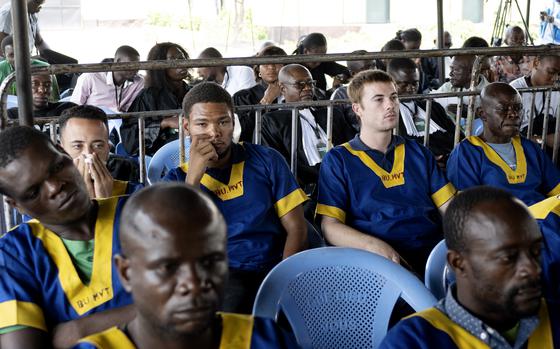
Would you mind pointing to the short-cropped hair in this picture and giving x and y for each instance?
(85, 111)
(357, 83)
(206, 92)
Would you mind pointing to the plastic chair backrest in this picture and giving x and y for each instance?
(438, 275)
(119, 150)
(478, 127)
(337, 297)
(165, 159)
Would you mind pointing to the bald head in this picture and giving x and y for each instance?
(496, 89)
(515, 36)
(287, 73)
(167, 209)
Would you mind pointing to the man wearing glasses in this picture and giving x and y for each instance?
(296, 85)
(500, 157)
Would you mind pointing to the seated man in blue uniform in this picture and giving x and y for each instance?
(84, 135)
(174, 262)
(251, 185)
(494, 249)
(381, 192)
(547, 214)
(58, 267)
(500, 157)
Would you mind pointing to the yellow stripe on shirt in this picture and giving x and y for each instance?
(289, 202)
(28, 314)
(444, 194)
(331, 211)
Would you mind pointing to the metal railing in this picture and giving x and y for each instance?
(259, 109)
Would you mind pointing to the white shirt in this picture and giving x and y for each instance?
(238, 77)
(540, 101)
(6, 24)
(312, 135)
(447, 87)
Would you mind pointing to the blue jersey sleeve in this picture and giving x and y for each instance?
(462, 167)
(416, 333)
(285, 190)
(441, 190)
(268, 335)
(175, 175)
(333, 197)
(550, 173)
(20, 293)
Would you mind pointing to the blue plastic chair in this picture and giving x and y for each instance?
(438, 275)
(478, 127)
(165, 159)
(336, 297)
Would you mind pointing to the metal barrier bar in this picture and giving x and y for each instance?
(258, 127)
(181, 117)
(293, 148)
(330, 115)
(427, 122)
(545, 119)
(20, 25)
(457, 137)
(472, 99)
(8, 217)
(52, 131)
(556, 144)
(142, 150)
(531, 117)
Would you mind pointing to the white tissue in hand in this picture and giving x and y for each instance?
(89, 159)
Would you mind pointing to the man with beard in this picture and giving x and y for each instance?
(57, 280)
(494, 249)
(174, 263)
(251, 185)
(500, 157)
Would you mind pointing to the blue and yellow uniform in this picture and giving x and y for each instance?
(393, 196)
(238, 332)
(125, 187)
(39, 285)
(473, 162)
(432, 328)
(252, 194)
(547, 214)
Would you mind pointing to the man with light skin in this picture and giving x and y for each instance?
(251, 185)
(381, 192)
(494, 249)
(85, 137)
(174, 263)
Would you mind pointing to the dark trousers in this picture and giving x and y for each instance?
(241, 290)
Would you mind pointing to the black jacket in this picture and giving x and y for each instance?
(277, 133)
(249, 96)
(149, 99)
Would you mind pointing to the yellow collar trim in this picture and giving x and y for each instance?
(237, 330)
(540, 338)
(389, 179)
(229, 191)
(513, 177)
(82, 297)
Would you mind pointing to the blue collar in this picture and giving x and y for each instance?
(357, 144)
